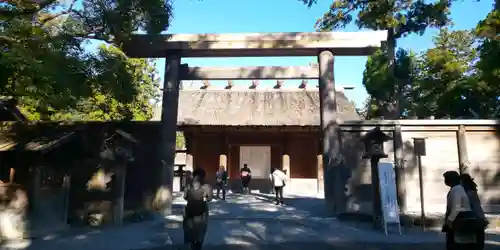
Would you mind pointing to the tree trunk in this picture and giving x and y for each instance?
(394, 111)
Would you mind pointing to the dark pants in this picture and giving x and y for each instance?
(195, 228)
(451, 244)
(221, 186)
(246, 181)
(279, 194)
(480, 238)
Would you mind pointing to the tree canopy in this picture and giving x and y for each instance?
(46, 65)
(458, 78)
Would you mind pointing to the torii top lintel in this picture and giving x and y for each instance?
(255, 44)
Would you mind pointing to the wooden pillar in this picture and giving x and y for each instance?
(399, 168)
(329, 126)
(321, 186)
(36, 186)
(118, 206)
(463, 157)
(223, 151)
(223, 160)
(285, 161)
(189, 152)
(170, 103)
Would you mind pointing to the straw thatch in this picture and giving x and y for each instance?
(280, 107)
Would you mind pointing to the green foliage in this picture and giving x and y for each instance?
(404, 16)
(400, 18)
(447, 82)
(45, 66)
(180, 141)
(379, 83)
(458, 77)
(488, 31)
(444, 81)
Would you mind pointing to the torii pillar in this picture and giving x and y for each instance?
(168, 132)
(330, 128)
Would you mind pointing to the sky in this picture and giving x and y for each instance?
(238, 16)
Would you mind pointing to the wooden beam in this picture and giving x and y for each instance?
(254, 44)
(248, 73)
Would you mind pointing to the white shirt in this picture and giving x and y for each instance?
(278, 178)
(457, 201)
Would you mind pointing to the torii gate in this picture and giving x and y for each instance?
(324, 45)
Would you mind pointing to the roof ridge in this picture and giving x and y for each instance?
(254, 90)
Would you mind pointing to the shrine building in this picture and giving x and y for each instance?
(229, 126)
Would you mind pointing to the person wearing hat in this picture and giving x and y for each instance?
(458, 212)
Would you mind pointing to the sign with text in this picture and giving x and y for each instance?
(388, 193)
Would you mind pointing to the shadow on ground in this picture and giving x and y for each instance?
(250, 222)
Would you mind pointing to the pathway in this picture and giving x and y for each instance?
(246, 222)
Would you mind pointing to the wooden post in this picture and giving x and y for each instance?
(285, 161)
(67, 192)
(118, 206)
(12, 174)
(223, 152)
(321, 187)
(329, 126)
(189, 151)
(169, 111)
(36, 186)
(223, 160)
(286, 165)
(463, 157)
(399, 168)
(376, 205)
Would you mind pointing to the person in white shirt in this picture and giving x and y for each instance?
(458, 210)
(278, 179)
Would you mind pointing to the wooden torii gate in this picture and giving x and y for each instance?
(324, 45)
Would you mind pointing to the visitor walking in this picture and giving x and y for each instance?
(221, 182)
(278, 178)
(246, 177)
(471, 189)
(196, 211)
(459, 227)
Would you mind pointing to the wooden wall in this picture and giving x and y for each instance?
(207, 146)
(478, 141)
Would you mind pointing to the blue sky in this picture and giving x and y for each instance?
(231, 16)
(237, 16)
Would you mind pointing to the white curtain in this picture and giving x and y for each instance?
(258, 159)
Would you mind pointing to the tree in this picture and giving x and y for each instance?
(488, 31)
(44, 63)
(110, 98)
(447, 83)
(379, 83)
(400, 18)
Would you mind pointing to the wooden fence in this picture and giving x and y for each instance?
(464, 145)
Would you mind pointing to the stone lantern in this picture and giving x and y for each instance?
(374, 143)
(374, 150)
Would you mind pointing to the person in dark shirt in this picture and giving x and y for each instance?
(221, 182)
(460, 233)
(471, 188)
(195, 219)
(246, 177)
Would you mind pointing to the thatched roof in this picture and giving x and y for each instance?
(29, 137)
(281, 107)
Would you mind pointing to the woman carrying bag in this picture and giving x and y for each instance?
(482, 223)
(195, 219)
(459, 219)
